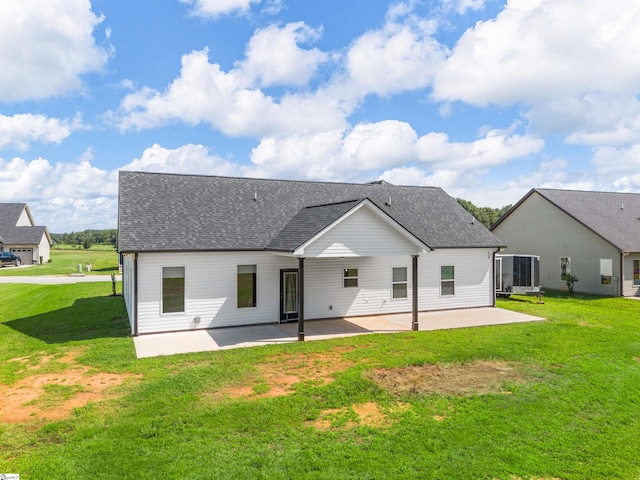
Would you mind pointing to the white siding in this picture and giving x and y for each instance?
(323, 286)
(210, 285)
(24, 220)
(43, 250)
(361, 234)
(325, 296)
(210, 289)
(473, 279)
(540, 228)
(629, 289)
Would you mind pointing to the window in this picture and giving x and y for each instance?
(247, 286)
(565, 268)
(399, 282)
(350, 277)
(447, 280)
(606, 271)
(172, 289)
(636, 272)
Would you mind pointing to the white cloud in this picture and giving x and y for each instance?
(22, 130)
(368, 148)
(46, 47)
(205, 93)
(622, 164)
(194, 159)
(497, 147)
(63, 196)
(611, 121)
(461, 6)
(401, 56)
(539, 50)
(215, 8)
(273, 56)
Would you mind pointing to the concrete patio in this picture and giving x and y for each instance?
(158, 344)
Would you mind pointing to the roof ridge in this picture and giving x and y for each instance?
(585, 191)
(361, 199)
(372, 184)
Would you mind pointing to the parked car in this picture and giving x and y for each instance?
(8, 258)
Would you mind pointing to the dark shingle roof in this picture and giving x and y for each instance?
(164, 212)
(10, 214)
(23, 235)
(12, 235)
(613, 216)
(308, 222)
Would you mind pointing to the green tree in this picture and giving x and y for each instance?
(486, 215)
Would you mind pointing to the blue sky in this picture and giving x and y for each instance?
(484, 98)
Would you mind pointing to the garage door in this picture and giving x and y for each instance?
(26, 254)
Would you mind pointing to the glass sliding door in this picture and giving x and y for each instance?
(289, 301)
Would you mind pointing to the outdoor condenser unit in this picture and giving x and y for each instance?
(517, 274)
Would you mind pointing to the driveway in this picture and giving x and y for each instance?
(158, 344)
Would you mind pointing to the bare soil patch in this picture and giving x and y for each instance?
(368, 414)
(53, 396)
(278, 375)
(469, 379)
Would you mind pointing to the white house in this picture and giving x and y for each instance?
(205, 251)
(20, 235)
(594, 236)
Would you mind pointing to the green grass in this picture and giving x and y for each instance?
(65, 261)
(576, 417)
(95, 246)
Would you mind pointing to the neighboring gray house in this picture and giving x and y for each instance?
(205, 251)
(20, 235)
(594, 236)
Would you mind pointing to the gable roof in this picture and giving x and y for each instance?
(10, 213)
(169, 212)
(311, 222)
(613, 216)
(10, 234)
(308, 222)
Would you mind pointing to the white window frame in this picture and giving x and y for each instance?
(350, 277)
(636, 283)
(451, 280)
(184, 300)
(405, 283)
(606, 265)
(255, 300)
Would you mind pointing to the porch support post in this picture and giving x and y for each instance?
(301, 299)
(414, 289)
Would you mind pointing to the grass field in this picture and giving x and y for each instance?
(546, 400)
(65, 260)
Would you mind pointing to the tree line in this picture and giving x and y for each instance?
(486, 215)
(87, 238)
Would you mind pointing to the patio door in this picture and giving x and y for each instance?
(289, 295)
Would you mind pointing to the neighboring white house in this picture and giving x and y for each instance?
(205, 252)
(20, 235)
(594, 236)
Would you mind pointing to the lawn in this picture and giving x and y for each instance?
(554, 399)
(64, 261)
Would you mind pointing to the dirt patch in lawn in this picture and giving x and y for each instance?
(369, 414)
(278, 374)
(53, 396)
(468, 379)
